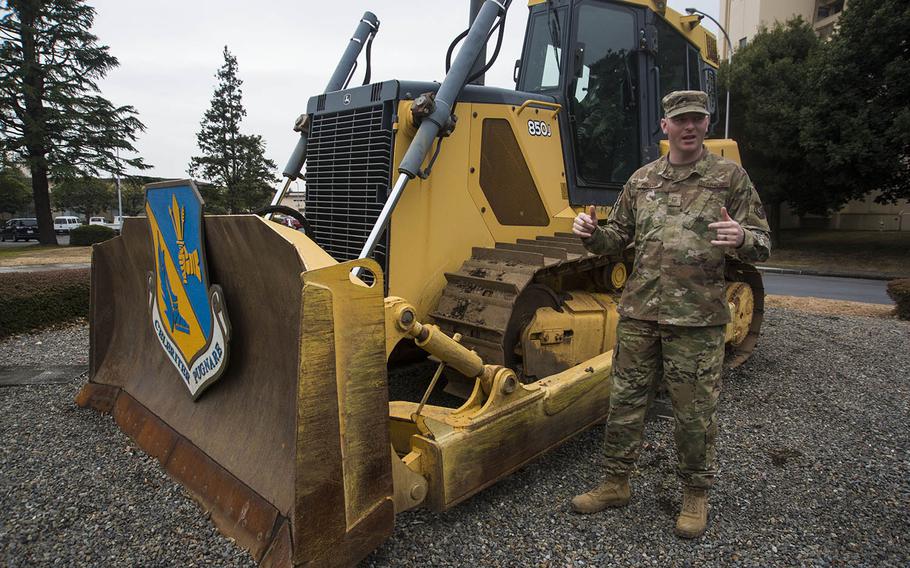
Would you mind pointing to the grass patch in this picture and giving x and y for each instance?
(866, 253)
(44, 254)
(28, 249)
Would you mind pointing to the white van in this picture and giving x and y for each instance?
(65, 224)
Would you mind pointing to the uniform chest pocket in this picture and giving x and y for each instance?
(646, 195)
(705, 207)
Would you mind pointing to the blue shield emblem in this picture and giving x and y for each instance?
(187, 312)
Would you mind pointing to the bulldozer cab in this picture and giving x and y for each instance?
(609, 64)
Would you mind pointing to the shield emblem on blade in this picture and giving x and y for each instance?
(188, 313)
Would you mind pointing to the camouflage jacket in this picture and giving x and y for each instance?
(678, 275)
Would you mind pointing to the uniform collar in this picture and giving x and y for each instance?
(666, 170)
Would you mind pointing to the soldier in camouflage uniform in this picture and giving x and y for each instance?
(683, 213)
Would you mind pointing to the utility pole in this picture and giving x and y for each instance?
(117, 184)
(729, 57)
(119, 197)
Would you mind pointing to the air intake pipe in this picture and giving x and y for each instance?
(482, 56)
(368, 26)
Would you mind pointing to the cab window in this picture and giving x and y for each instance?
(543, 57)
(694, 68)
(672, 64)
(604, 94)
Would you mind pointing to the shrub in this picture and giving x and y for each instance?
(31, 300)
(87, 235)
(899, 290)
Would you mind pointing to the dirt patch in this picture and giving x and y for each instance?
(830, 307)
(47, 255)
(782, 454)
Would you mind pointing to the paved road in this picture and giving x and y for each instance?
(61, 240)
(828, 287)
(18, 244)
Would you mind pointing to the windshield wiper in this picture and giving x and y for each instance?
(555, 32)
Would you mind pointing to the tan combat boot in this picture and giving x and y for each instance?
(693, 518)
(614, 492)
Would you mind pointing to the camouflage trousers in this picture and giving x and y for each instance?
(690, 359)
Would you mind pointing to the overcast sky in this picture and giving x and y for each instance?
(170, 50)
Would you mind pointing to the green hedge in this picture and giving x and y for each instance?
(86, 235)
(32, 300)
(899, 290)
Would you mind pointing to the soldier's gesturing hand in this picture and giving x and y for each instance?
(729, 232)
(585, 223)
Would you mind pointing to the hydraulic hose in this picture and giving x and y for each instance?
(451, 86)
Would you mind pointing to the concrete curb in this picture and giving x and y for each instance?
(14, 375)
(809, 272)
(44, 267)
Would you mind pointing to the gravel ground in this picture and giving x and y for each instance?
(75, 491)
(66, 345)
(813, 447)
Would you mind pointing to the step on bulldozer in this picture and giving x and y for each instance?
(252, 359)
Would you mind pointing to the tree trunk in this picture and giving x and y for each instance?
(35, 134)
(46, 235)
(773, 210)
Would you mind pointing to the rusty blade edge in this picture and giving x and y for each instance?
(238, 511)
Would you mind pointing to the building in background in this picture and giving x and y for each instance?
(743, 18)
(857, 215)
(295, 197)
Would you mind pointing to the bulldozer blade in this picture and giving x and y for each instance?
(289, 450)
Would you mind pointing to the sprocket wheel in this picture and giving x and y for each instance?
(746, 292)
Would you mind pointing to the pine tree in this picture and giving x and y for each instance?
(234, 162)
(52, 115)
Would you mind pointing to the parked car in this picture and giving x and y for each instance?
(20, 230)
(118, 222)
(65, 224)
(286, 220)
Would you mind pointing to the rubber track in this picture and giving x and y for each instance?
(481, 298)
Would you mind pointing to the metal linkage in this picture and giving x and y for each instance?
(437, 343)
(383, 220)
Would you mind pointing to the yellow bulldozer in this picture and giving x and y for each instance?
(252, 359)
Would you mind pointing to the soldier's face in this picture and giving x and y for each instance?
(685, 132)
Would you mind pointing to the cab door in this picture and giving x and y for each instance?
(604, 98)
